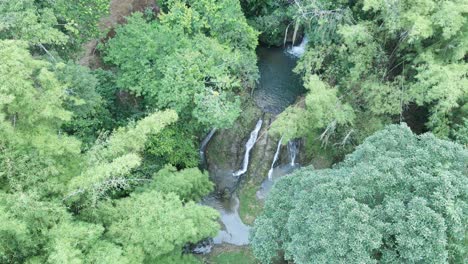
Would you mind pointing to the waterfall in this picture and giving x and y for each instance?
(204, 144)
(298, 51)
(205, 141)
(248, 146)
(278, 148)
(293, 149)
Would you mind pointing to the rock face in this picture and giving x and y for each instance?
(226, 150)
(263, 153)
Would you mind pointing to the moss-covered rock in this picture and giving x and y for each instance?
(226, 149)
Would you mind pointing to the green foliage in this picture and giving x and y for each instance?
(399, 198)
(321, 108)
(25, 225)
(62, 24)
(121, 105)
(444, 87)
(33, 150)
(26, 21)
(149, 228)
(90, 114)
(32, 101)
(174, 145)
(81, 17)
(186, 52)
(110, 161)
(461, 133)
(45, 177)
(380, 57)
(221, 19)
(271, 18)
(189, 184)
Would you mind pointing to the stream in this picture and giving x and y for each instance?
(278, 88)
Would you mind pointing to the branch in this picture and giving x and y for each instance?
(46, 51)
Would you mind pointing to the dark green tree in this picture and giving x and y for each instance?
(398, 198)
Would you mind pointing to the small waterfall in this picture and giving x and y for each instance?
(298, 51)
(204, 144)
(248, 146)
(293, 149)
(270, 172)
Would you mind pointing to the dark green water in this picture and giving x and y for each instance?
(279, 86)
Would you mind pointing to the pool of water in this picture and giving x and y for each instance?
(279, 86)
(233, 230)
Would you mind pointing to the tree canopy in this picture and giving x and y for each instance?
(62, 25)
(101, 125)
(62, 204)
(398, 197)
(186, 52)
(382, 57)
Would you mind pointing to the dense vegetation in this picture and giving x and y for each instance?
(100, 165)
(398, 198)
(381, 59)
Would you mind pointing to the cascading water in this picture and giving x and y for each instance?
(204, 144)
(279, 88)
(298, 51)
(293, 149)
(275, 158)
(248, 147)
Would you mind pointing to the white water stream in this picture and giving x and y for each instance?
(275, 158)
(248, 147)
(298, 51)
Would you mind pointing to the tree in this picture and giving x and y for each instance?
(51, 189)
(188, 52)
(31, 100)
(189, 184)
(383, 57)
(34, 152)
(61, 24)
(159, 224)
(175, 145)
(321, 108)
(111, 161)
(397, 198)
(90, 114)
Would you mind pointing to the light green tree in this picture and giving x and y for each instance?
(61, 25)
(320, 109)
(189, 184)
(109, 163)
(384, 56)
(145, 224)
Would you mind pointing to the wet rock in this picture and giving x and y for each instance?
(263, 152)
(225, 151)
(203, 247)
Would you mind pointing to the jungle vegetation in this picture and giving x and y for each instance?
(100, 164)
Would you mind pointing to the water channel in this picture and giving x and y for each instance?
(278, 88)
